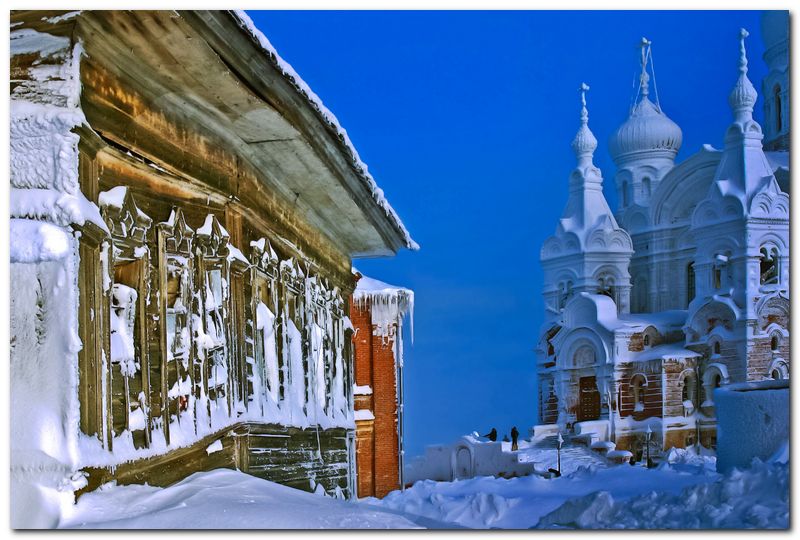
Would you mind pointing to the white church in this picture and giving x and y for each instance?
(686, 286)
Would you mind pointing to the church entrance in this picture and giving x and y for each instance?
(589, 403)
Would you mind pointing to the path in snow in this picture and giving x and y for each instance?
(573, 456)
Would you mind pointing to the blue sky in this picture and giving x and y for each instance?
(465, 120)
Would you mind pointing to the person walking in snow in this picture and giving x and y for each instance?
(514, 437)
(492, 435)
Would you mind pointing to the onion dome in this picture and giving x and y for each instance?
(647, 128)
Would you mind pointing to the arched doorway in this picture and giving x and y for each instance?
(463, 464)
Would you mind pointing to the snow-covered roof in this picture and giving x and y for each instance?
(370, 287)
(302, 87)
(675, 318)
(667, 350)
(388, 304)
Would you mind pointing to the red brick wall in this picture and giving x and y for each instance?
(377, 446)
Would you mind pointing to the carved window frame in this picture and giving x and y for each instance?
(175, 242)
(265, 278)
(211, 255)
(94, 377)
(293, 299)
(130, 257)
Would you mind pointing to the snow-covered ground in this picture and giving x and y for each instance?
(687, 492)
(683, 492)
(224, 499)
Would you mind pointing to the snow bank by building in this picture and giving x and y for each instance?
(752, 421)
(519, 503)
(223, 499)
(755, 498)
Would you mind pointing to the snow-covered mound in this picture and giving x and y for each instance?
(756, 498)
(223, 499)
(519, 503)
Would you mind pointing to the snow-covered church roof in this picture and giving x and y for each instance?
(744, 183)
(587, 222)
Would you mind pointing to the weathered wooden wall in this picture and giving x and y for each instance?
(286, 455)
(294, 456)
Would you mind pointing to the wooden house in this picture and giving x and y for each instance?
(184, 215)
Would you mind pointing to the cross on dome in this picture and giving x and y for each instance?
(584, 143)
(742, 51)
(644, 78)
(743, 96)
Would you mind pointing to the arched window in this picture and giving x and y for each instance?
(775, 342)
(769, 266)
(638, 382)
(605, 286)
(717, 348)
(690, 283)
(565, 292)
(625, 200)
(689, 393)
(646, 186)
(584, 356)
(778, 108)
(646, 340)
(779, 369)
(720, 264)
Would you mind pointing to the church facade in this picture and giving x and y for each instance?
(686, 286)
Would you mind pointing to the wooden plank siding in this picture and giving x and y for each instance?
(287, 455)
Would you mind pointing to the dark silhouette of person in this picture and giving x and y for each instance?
(492, 435)
(505, 438)
(514, 437)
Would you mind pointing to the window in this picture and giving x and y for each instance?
(775, 342)
(129, 366)
(689, 390)
(711, 379)
(174, 374)
(646, 186)
(638, 382)
(690, 283)
(776, 374)
(565, 292)
(265, 375)
(778, 108)
(605, 286)
(717, 348)
(92, 357)
(769, 266)
(647, 340)
(720, 265)
(625, 200)
(584, 356)
(214, 364)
